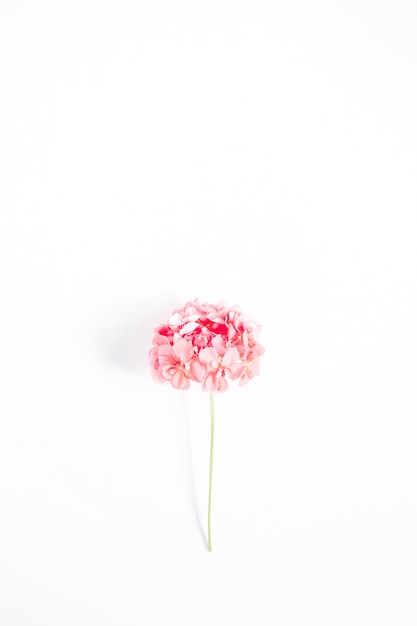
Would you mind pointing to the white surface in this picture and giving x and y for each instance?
(260, 152)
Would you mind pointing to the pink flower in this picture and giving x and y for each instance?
(248, 366)
(218, 367)
(179, 364)
(207, 343)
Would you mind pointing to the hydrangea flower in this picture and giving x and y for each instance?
(206, 343)
(211, 344)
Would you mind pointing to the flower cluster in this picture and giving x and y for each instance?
(206, 343)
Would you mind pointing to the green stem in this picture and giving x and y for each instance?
(211, 467)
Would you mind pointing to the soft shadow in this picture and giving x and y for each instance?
(125, 336)
(191, 472)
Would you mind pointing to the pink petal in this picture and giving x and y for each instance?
(166, 356)
(219, 344)
(188, 328)
(197, 370)
(236, 370)
(231, 356)
(244, 379)
(160, 339)
(200, 341)
(175, 319)
(184, 350)
(167, 371)
(221, 384)
(153, 358)
(208, 355)
(214, 381)
(255, 367)
(209, 383)
(179, 380)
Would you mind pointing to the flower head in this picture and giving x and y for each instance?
(206, 343)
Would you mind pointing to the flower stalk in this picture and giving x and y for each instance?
(211, 469)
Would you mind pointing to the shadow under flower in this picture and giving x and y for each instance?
(126, 337)
(191, 470)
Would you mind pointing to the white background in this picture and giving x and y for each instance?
(261, 152)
